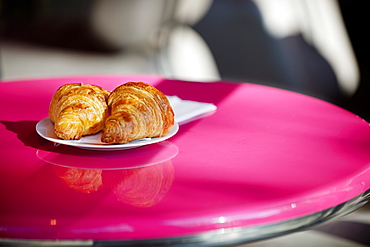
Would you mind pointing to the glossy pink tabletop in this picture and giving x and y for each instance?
(265, 156)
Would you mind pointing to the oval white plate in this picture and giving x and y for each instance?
(45, 128)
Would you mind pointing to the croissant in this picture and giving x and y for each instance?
(138, 110)
(78, 110)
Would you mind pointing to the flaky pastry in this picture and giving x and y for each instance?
(78, 110)
(137, 110)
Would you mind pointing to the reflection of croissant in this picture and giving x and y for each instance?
(82, 180)
(78, 110)
(138, 110)
(140, 187)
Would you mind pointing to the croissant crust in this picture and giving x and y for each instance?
(138, 110)
(78, 110)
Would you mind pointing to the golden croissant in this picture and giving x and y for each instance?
(138, 110)
(78, 110)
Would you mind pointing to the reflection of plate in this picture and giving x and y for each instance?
(45, 129)
(67, 156)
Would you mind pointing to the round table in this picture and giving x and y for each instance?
(267, 162)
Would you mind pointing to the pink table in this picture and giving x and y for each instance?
(268, 162)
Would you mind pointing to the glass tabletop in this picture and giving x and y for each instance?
(267, 162)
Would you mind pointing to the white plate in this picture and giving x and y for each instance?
(45, 128)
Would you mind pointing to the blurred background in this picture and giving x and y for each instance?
(315, 47)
